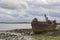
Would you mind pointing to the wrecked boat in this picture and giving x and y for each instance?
(40, 26)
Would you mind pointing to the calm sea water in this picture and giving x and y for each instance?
(14, 26)
(18, 26)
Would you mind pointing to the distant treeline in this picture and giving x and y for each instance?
(20, 23)
(16, 22)
(58, 23)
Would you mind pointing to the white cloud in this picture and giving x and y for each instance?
(26, 10)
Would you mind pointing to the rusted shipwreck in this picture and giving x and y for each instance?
(39, 26)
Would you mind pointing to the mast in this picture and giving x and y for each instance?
(46, 18)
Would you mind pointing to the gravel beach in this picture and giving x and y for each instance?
(27, 34)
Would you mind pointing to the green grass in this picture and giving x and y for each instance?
(47, 36)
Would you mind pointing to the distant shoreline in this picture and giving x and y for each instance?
(19, 23)
(15, 22)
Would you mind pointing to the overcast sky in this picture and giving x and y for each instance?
(26, 10)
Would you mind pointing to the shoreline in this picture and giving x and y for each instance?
(15, 22)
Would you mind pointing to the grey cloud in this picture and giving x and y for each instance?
(7, 6)
(50, 5)
(12, 5)
(27, 10)
(52, 14)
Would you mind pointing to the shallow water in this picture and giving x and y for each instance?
(4, 26)
(14, 26)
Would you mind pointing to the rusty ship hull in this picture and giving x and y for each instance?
(42, 26)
